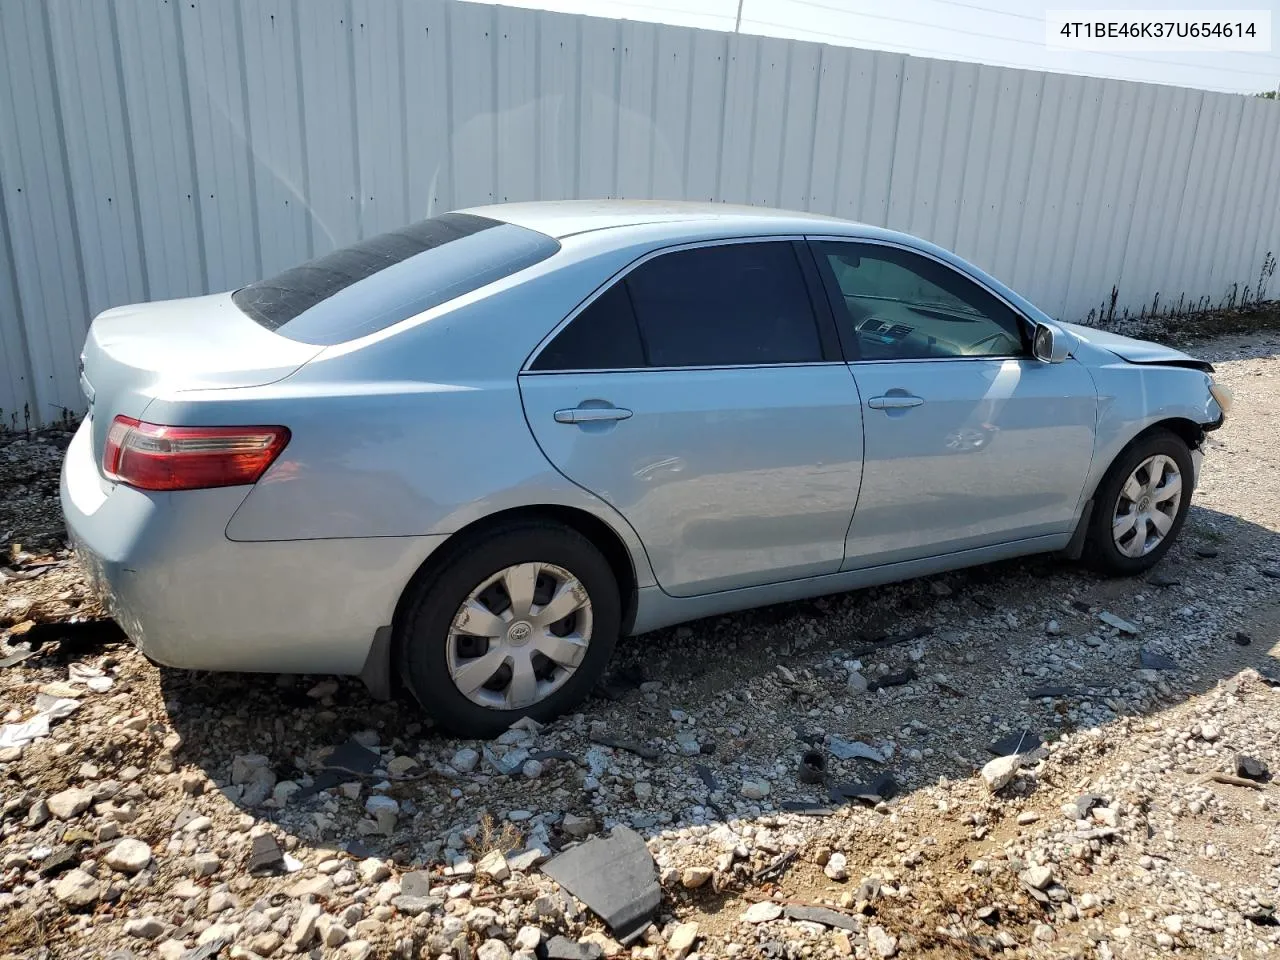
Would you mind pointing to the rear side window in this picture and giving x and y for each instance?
(735, 304)
(604, 336)
(372, 284)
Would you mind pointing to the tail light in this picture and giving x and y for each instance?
(150, 456)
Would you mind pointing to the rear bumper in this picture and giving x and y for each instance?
(189, 597)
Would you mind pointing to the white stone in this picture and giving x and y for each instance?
(128, 856)
(882, 943)
(762, 912)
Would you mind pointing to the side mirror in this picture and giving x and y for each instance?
(1049, 344)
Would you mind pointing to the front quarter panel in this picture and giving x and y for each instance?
(1133, 397)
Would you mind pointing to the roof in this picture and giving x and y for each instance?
(563, 218)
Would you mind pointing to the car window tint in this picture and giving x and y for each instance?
(382, 280)
(903, 306)
(729, 304)
(602, 337)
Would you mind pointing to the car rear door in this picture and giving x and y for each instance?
(969, 441)
(703, 395)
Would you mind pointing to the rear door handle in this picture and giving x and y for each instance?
(591, 414)
(897, 402)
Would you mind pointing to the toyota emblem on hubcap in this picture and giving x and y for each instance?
(519, 632)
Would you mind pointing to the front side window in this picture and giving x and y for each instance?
(733, 304)
(900, 305)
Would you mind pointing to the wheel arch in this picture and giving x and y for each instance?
(598, 531)
(1184, 428)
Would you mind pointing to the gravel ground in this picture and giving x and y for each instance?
(129, 829)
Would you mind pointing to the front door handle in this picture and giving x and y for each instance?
(591, 414)
(894, 402)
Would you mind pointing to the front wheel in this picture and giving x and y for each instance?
(1141, 505)
(521, 622)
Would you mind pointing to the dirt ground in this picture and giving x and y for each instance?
(1162, 859)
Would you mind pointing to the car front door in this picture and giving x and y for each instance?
(969, 441)
(703, 395)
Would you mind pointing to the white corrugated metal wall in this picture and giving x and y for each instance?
(157, 148)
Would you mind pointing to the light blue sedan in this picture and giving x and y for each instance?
(469, 455)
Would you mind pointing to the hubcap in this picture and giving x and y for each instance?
(1147, 506)
(519, 636)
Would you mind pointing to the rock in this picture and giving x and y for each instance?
(1209, 732)
(526, 860)
(882, 944)
(682, 940)
(304, 929)
(221, 900)
(413, 906)
(312, 887)
(78, 890)
(755, 789)
(1027, 817)
(332, 933)
(1037, 876)
(1053, 628)
(381, 803)
(248, 766)
(532, 769)
(1250, 768)
(325, 688)
(266, 943)
(357, 950)
(205, 864)
(836, 867)
(577, 827)
(762, 912)
(644, 791)
(1044, 933)
(1173, 923)
(691, 878)
(1124, 626)
(70, 803)
(494, 865)
(857, 683)
(373, 870)
(493, 950)
(400, 767)
(417, 883)
(528, 937)
(144, 928)
(465, 760)
(128, 856)
(1000, 772)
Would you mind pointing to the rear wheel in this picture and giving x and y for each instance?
(1141, 505)
(520, 622)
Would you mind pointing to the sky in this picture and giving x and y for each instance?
(1008, 33)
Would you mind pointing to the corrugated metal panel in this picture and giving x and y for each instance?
(153, 149)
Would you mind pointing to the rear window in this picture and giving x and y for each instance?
(334, 298)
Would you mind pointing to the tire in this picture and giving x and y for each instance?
(431, 648)
(1103, 551)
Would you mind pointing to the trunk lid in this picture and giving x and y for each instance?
(135, 352)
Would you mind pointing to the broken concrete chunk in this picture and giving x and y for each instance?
(999, 773)
(1124, 626)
